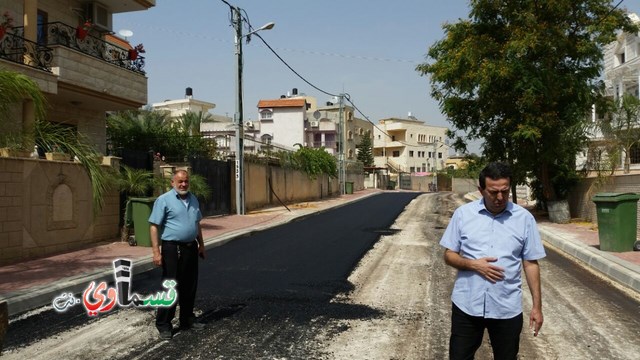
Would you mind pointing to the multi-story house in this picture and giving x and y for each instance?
(622, 76)
(409, 146)
(69, 49)
(323, 129)
(177, 108)
(296, 119)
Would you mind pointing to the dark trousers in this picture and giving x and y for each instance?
(467, 332)
(180, 263)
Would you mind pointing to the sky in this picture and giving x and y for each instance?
(368, 49)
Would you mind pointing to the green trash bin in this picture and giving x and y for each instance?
(348, 187)
(617, 220)
(391, 185)
(140, 212)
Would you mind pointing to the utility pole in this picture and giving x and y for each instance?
(239, 116)
(341, 167)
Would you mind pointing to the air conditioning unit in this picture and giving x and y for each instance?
(99, 15)
(249, 124)
(314, 123)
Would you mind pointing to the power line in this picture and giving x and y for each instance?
(347, 96)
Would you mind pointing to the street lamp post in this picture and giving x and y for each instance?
(239, 115)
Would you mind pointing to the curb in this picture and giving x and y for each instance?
(28, 299)
(615, 269)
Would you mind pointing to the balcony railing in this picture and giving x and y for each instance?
(60, 34)
(15, 48)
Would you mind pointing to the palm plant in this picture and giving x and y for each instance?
(189, 122)
(15, 88)
(132, 182)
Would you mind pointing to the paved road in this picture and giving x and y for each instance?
(331, 287)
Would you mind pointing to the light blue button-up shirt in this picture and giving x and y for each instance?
(511, 236)
(176, 222)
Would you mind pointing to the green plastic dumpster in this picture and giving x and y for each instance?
(391, 185)
(617, 220)
(348, 187)
(140, 212)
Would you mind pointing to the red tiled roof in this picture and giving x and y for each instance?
(281, 103)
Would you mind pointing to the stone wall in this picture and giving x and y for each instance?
(287, 185)
(46, 208)
(580, 203)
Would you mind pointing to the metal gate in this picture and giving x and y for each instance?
(218, 176)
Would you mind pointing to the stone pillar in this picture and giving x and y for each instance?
(30, 19)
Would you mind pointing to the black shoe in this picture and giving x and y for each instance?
(193, 324)
(166, 334)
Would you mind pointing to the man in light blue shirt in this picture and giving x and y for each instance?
(489, 241)
(176, 240)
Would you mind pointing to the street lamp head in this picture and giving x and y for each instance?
(267, 26)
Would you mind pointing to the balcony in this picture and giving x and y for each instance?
(57, 33)
(80, 63)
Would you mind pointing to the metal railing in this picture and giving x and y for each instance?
(17, 49)
(61, 34)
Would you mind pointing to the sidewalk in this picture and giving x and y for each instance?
(31, 284)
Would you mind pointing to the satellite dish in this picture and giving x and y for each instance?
(316, 114)
(125, 33)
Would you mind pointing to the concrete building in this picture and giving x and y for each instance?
(176, 108)
(325, 130)
(409, 146)
(83, 69)
(297, 119)
(282, 121)
(622, 76)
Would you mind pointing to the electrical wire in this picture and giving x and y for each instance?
(250, 28)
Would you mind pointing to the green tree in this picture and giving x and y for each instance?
(148, 130)
(315, 161)
(522, 75)
(190, 121)
(365, 153)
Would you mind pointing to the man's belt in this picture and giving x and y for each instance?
(181, 243)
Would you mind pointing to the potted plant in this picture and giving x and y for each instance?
(133, 53)
(7, 24)
(57, 154)
(83, 29)
(13, 145)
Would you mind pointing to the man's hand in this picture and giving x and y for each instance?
(482, 266)
(535, 321)
(157, 258)
(487, 270)
(201, 251)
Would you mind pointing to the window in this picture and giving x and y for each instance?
(396, 153)
(439, 155)
(43, 19)
(266, 115)
(410, 153)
